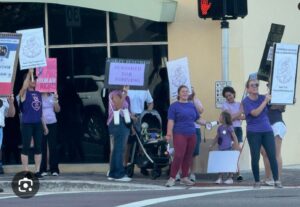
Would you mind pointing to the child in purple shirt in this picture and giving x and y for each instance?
(225, 136)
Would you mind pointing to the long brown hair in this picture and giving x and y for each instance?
(226, 118)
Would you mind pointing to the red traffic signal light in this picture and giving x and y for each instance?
(222, 9)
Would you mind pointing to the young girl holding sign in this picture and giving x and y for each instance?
(225, 136)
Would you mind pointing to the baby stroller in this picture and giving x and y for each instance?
(149, 149)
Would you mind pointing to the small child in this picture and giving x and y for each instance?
(225, 136)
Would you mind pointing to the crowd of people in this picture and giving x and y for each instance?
(265, 130)
(181, 123)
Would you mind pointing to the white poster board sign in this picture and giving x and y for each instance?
(178, 74)
(284, 73)
(219, 86)
(32, 50)
(223, 161)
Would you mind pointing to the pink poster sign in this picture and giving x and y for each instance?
(47, 76)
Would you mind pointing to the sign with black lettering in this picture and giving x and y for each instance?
(284, 74)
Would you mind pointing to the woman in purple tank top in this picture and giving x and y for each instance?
(32, 124)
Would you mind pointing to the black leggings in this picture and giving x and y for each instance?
(265, 139)
(34, 131)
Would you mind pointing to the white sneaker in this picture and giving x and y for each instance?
(44, 174)
(123, 179)
(228, 181)
(54, 174)
(177, 178)
(193, 177)
(110, 178)
(268, 182)
(170, 182)
(219, 181)
(186, 181)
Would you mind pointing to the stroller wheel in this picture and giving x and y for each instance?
(130, 170)
(155, 173)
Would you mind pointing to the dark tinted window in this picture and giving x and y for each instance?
(79, 61)
(85, 85)
(21, 16)
(125, 28)
(74, 25)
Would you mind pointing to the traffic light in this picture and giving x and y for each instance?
(222, 9)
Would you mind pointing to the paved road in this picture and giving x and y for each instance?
(225, 197)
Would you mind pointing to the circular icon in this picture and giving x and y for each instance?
(25, 184)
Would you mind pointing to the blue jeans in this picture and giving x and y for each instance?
(265, 139)
(119, 135)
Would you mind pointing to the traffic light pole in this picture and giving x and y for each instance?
(225, 49)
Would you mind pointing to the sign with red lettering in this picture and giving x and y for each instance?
(47, 76)
(9, 53)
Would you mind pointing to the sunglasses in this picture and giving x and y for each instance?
(254, 85)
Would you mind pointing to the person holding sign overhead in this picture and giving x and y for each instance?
(259, 131)
(118, 119)
(32, 124)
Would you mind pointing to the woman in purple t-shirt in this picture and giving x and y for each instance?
(182, 116)
(31, 122)
(259, 130)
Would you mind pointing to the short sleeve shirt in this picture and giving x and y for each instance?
(184, 115)
(225, 137)
(233, 108)
(258, 123)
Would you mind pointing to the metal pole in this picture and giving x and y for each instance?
(225, 50)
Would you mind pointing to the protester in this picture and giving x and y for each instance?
(259, 131)
(161, 96)
(181, 118)
(225, 136)
(32, 124)
(279, 130)
(236, 112)
(49, 142)
(196, 153)
(7, 109)
(137, 99)
(118, 132)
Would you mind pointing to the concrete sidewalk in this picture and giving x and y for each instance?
(99, 182)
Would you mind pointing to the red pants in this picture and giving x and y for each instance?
(184, 146)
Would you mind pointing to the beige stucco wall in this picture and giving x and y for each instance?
(200, 41)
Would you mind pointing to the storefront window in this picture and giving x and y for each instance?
(21, 16)
(125, 28)
(74, 25)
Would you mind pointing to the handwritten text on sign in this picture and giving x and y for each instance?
(131, 74)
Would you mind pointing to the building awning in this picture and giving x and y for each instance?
(155, 10)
